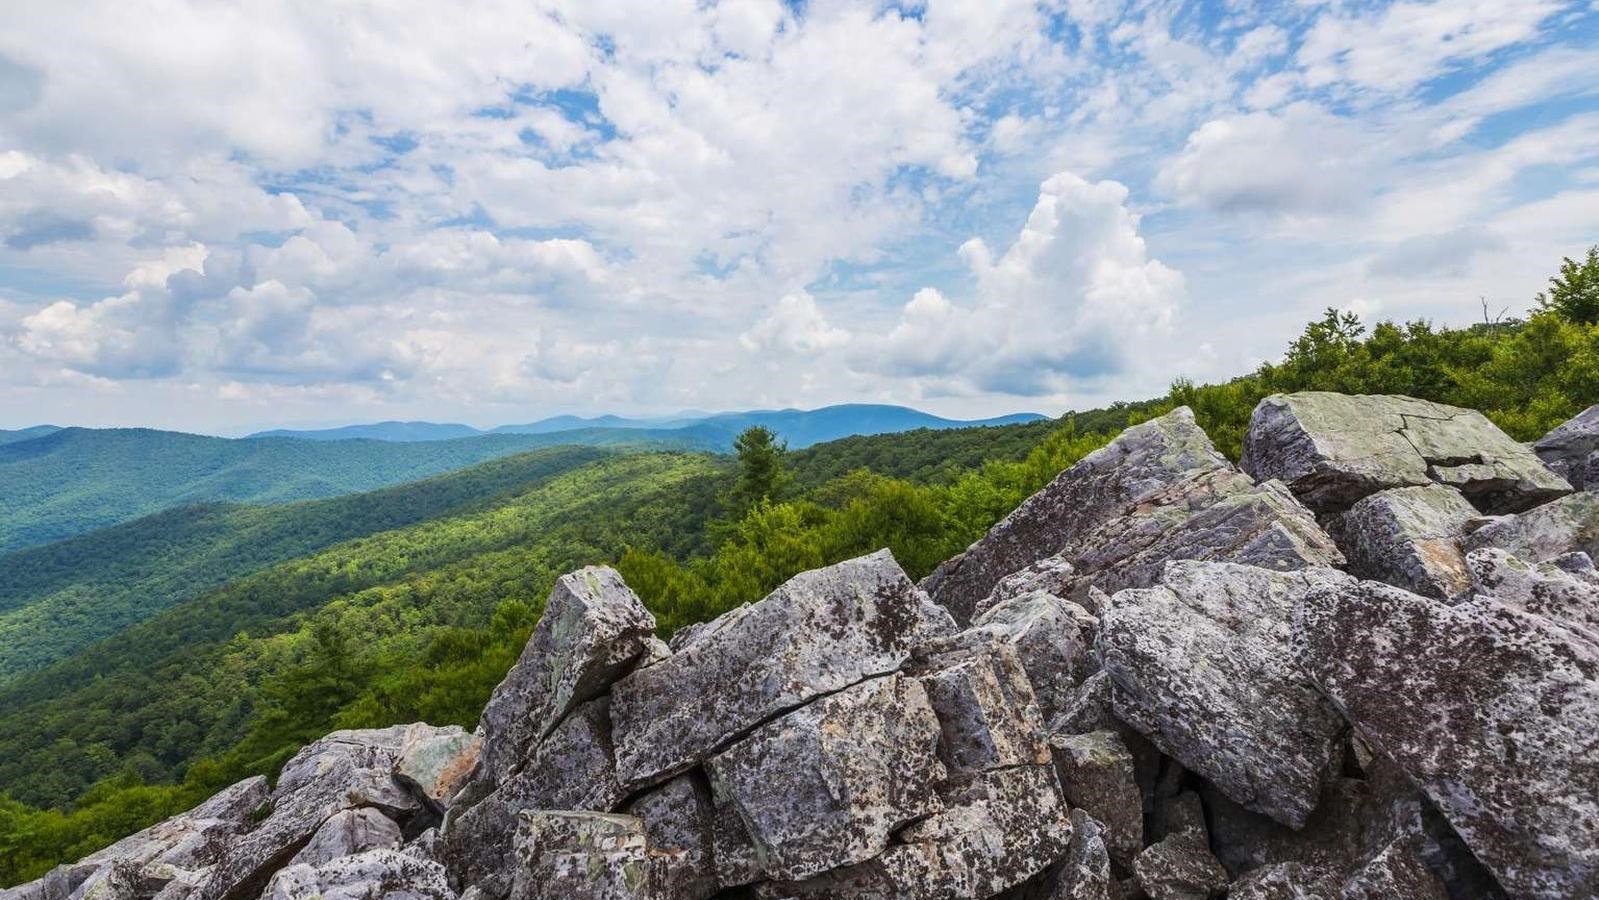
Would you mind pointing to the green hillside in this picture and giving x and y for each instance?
(57, 598)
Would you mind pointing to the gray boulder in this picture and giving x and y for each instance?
(1569, 595)
(1395, 872)
(828, 784)
(819, 632)
(372, 875)
(678, 819)
(594, 629)
(1181, 867)
(1051, 575)
(1335, 449)
(1089, 707)
(1544, 533)
(348, 833)
(1140, 462)
(1053, 640)
(1490, 710)
(1284, 881)
(1096, 776)
(1570, 449)
(1203, 666)
(984, 703)
(585, 856)
(1410, 538)
(1083, 873)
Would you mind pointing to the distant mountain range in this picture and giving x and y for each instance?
(26, 434)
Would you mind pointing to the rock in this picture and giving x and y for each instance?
(826, 785)
(1050, 575)
(1493, 712)
(572, 769)
(57, 884)
(1570, 448)
(1284, 881)
(594, 628)
(1218, 515)
(655, 650)
(1335, 449)
(734, 854)
(1203, 666)
(1568, 595)
(348, 833)
(1395, 872)
(678, 818)
(436, 765)
(1338, 836)
(1180, 867)
(1051, 642)
(119, 880)
(984, 703)
(1087, 708)
(1410, 538)
(373, 875)
(1096, 775)
(1084, 873)
(584, 856)
(1547, 532)
(1137, 464)
(821, 631)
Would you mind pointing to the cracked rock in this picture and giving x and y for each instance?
(372, 875)
(348, 833)
(1053, 642)
(585, 856)
(984, 703)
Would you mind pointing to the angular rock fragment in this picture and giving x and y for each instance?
(1096, 775)
(437, 764)
(1395, 872)
(1410, 538)
(1568, 595)
(1490, 710)
(348, 833)
(1050, 575)
(1084, 873)
(1180, 867)
(1547, 532)
(373, 875)
(1137, 464)
(819, 632)
(984, 704)
(1087, 708)
(1203, 666)
(1335, 449)
(678, 819)
(1570, 448)
(826, 785)
(1050, 640)
(1285, 881)
(585, 856)
(594, 628)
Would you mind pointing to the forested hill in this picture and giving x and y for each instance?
(59, 597)
(26, 434)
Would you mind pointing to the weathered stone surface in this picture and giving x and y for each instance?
(584, 856)
(819, 632)
(372, 875)
(1203, 666)
(1137, 464)
(182, 844)
(1492, 711)
(1334, 449)
(733, 852)
(1089, 707)
(1343, 830)
(1569, 448)
(826, 785)
(1410, 537)
(594, 628)
(1219, 515)
(984, 704)
(1051, 575)
(1180, 867)
(118, 880)
(348, 833)
(1395, 872)
(437, 764)
(677, 819)
(573, 768)
(1285, 881)
(1052, 641)
(1096, 775)
(1084, 873)
(1544, 533)
(994, 833)
(1569, 595)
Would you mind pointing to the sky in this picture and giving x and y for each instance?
(226, 216)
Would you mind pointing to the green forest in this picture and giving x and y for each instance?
(422, 619)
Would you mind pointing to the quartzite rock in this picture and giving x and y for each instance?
(1544, 589)
(1544, 533)
(678, 818)
(373, 875)
(1052, 575)
(1410, 538)
(585, 856)
(826, 785)
(1084, 873)
(819, 632)
(1334, 449)
(1285, 881)
(1096, 775)
(984, 703)
(593, 629)
(1492, 711)
(348, 833)
(1203, 666)
(1137, 464)
(1053, 640)
(1570, 448)
(1395, 872)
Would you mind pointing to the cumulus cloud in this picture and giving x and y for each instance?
(794, 325)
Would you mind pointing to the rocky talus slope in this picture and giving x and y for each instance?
(1364, 666)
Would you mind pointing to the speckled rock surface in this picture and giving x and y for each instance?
(585, 856)
(347, 833)
(987, 715)
(1203, 666)
(1180, 867)
(1096, 775)
(1051, 575)
(1567, 525)
(1411, 538)
(1053, 640)
(677, 818)
(1285, 881)
(1335, 449)
(594, 628)
(372, 875)
(1492, 711)
(1140, 462)
(1571, 446)
(819, 632)
(1568, 594)
(826, 785)
(437, 764)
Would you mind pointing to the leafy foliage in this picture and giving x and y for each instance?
(1574, 293)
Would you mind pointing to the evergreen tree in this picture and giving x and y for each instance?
(762, 469)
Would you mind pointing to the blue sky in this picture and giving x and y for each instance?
(219, 217)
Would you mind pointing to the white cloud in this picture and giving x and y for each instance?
(794, 325)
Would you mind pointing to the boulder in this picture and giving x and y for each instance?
(1137, 464)
(828, 784)
(1410, 538)
(1203, 666)
(1284, 881)
(594, 628)
(1567, 594)
(585, 856)
(677, 819)
(437, 764)
(1547, 532)
(1570, 449)
(984, 703)
(1492, 711)
(1395, 872)
(1050, 575)
(348, 833)
(372, 875)
(1053, 640)
(1083, 873)
(1096, 775)
(821, 631)
(1335, 449)
(1181, 867)
(1087, 708)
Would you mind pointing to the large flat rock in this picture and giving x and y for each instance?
(1203, 665)
(370, 875)
(1491, 710)
(821, 631)
(1334, 449)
